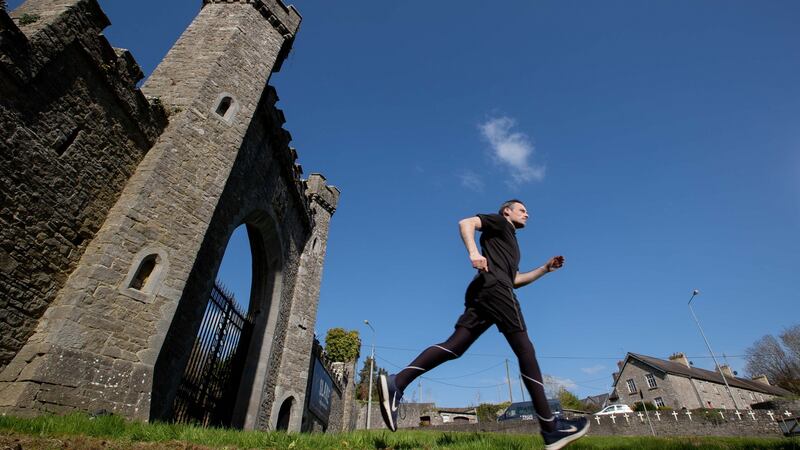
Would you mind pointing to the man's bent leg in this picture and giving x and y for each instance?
(455, 346)
(390, 388)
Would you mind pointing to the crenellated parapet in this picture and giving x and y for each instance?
(285, 19)
(321, 193)
(40, 32)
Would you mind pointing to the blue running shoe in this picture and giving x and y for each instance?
(389, 400)
(566, 431)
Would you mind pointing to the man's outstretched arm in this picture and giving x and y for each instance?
(467, 227)
(525, 278)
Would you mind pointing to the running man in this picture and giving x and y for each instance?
(490, 300)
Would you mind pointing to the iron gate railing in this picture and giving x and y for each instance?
(207, 392)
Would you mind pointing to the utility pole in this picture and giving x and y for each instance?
(371, 371)
(508, 379)
(695, 292)
(521, 387)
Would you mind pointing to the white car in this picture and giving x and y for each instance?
(614, 409)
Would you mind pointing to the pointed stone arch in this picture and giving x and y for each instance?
(266, 247)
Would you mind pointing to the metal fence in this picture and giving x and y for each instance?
(207, 392)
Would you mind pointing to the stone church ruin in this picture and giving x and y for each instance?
(117, 204)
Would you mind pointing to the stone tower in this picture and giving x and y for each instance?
(118, 330)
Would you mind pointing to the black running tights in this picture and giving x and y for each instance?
(460, 341)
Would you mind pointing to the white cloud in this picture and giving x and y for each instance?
(512, 149)
(553, 384)
(471, 181)
(593, 369)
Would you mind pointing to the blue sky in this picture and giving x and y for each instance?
(655, 144)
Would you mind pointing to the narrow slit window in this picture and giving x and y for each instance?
(224, 106)
(143, 274)
(66, 143)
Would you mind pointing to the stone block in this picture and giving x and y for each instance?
(15, 394)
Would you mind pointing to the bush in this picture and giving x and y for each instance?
(487, 412)
(638, 406)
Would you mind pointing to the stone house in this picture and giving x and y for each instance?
(675, 383)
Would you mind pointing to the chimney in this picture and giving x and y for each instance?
(680, 358)
(761, 379)
(726, 370)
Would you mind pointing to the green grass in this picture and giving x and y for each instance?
(121, 432)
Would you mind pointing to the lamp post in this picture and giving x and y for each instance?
(728, 388)
(371, 363)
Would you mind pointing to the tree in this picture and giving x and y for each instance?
(569, 400)
(780, 363)
(362, 388)
(554, 385)
(341, 345)
(791, 340)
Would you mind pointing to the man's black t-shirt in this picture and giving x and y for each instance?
(499, 246)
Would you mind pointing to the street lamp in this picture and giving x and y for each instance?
(371, 362)
(696, 292)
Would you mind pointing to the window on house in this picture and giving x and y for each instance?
(651, 380)
(631, 385)
(659, 402)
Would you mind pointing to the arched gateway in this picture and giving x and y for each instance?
(119, 324)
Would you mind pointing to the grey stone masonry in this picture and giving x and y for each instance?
(124, 301)
(293, 375)
(73, 128)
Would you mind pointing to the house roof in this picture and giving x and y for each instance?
(596, 399)
(680, 369)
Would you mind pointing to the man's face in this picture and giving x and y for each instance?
(516, 214)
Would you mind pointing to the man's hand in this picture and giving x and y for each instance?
(555, 263)
(479, 262)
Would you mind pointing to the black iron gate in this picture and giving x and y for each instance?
(207, 392)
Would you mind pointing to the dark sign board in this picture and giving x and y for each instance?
(319, 401)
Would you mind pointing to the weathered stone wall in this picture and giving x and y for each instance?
(73, 128)
(111, 342)
(350, 413)
(664, 424)
(292, 378)
(409, 415)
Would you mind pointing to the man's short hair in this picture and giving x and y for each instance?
(508, 204)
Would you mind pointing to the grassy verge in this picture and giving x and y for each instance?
(80, 431)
